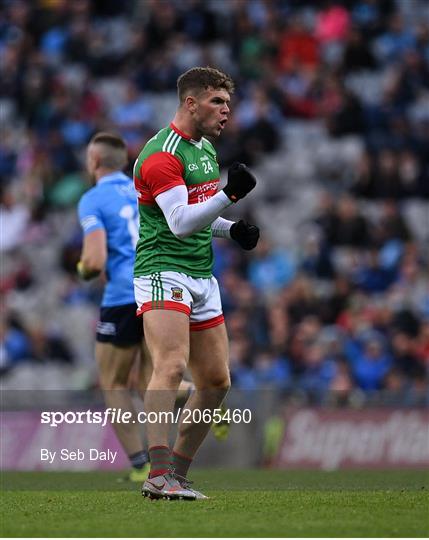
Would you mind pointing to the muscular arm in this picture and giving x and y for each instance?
(185, 219)
(94, 254)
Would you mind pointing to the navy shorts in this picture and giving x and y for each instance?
(120, 325)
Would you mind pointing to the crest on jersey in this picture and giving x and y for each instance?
(177, 293)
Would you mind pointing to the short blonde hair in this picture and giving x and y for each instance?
(112, 149)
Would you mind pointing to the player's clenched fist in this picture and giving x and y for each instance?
(245, 235)
(240, 182)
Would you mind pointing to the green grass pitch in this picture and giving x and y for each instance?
(247, 503)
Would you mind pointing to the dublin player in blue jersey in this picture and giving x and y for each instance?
(109, 219)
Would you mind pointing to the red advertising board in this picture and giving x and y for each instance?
(333, 439)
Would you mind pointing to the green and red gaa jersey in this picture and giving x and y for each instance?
(171, 159)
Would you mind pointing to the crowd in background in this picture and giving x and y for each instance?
(341, 315)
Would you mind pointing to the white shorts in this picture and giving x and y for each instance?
(199, 298)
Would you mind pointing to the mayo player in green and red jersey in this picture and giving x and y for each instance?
(177, 178)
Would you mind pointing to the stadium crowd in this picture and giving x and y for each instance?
(341, 314)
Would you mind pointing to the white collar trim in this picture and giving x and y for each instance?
(198, 144)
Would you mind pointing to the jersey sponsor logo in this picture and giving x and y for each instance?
(201, 192)
(177, 294)
(203, 188)
(193, 167)
(204, 158)
(106, 328)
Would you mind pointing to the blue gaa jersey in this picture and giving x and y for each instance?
(112, 205)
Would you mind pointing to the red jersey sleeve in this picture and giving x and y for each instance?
(161, 172)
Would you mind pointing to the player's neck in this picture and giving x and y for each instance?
(185, 124)
(103, 171)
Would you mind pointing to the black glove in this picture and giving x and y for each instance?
(244, 234)
(240, 182)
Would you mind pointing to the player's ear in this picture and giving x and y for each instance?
(96, 159)
(190, 104)
(90, 157)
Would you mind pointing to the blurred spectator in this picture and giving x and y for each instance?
(342, 384)
(422, 346)
(335, 303)
(30, 343)
(350, 227)
(48, 344)
(409, 173)
(133, 117)
(357, 53)
(17, 273)
(316, 256)
(404, 357)
(14, 219)
(250, 47)
(370, 14)
(258, 118)
(392, 225)
(302, 301)
(333, 23)
(278, 328)
(242, 374)
(371, 276)
(395, 41)
(325, 215)
(318, 372)
(270, 270)
(363, 185)
(394, 177)
(271, 371)
(371, 366)
(163, 21)
(61, 154)
(298, 47)
(422, 38)
(197, 21)
(344, 114)
(15, 344)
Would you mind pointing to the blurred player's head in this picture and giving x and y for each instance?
(204, 96)
(106, 153)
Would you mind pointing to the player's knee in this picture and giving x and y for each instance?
(112, 385)
(113, 380)
(220, 381)
(171, 371)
